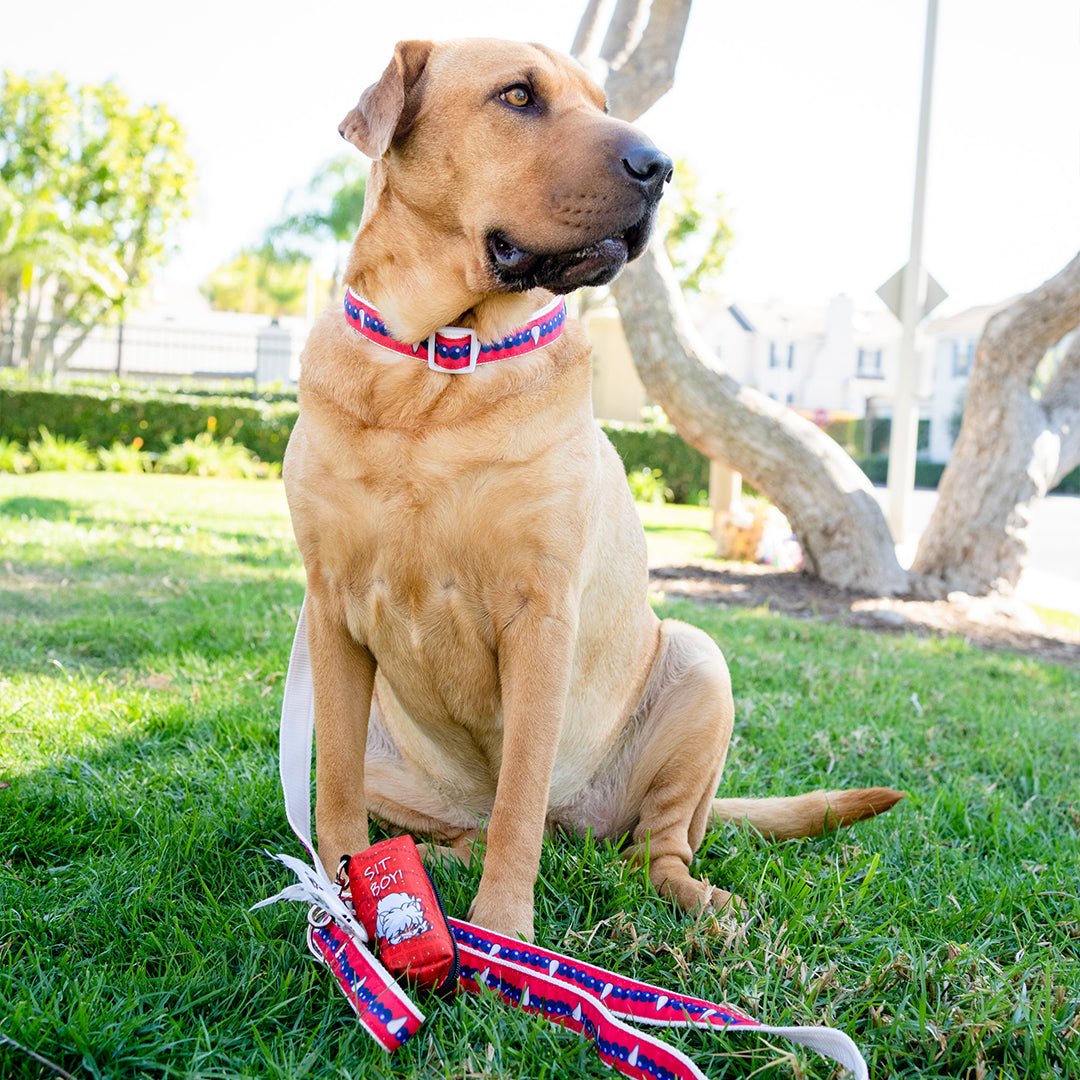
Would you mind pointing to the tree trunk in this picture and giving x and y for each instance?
(1014, 444)
(824, 494)
(826, 497)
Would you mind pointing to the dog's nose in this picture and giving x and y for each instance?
(648, 166)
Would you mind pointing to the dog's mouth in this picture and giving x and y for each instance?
(519, 269)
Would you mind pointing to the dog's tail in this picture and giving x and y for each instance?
(811, 814)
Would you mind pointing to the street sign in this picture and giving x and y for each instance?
(893, 290)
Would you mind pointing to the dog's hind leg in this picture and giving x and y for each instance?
(404, 797)
(687, 721)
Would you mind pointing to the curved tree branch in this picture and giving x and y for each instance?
(825, 495)
(624, 31)
(1017, 338)
(827, 498)
(1012, 448)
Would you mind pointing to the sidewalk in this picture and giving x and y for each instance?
(1052, 577)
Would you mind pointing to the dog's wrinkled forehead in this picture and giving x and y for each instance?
(443, 80)
(489, 67)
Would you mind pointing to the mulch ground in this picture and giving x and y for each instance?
(991, 623)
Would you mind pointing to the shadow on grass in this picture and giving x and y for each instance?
(33, 506)
(163, 618)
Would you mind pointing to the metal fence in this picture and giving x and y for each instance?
(258, 349)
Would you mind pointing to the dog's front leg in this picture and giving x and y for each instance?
(535, 658)
(343, 674)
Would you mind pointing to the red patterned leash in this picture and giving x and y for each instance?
(575, 994)
(595, 1001)
(579, 996)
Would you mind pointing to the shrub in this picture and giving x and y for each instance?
(104, 415)
(124, 458)
(851, 435)
(1070, 484)
(55, 453)
(13, 458)
(204, 456)
(647, 485)
(648, 446)
(876, 467)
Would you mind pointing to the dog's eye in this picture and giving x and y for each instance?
(520, 97)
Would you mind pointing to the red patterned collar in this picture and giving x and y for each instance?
(456, 349)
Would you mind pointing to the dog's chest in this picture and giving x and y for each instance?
(431, 568)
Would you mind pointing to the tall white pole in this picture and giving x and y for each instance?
(905, 423)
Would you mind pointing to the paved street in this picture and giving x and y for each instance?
(1052, 577)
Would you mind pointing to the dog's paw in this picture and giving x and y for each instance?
(723, 902)
(670, 877)
(505, 915)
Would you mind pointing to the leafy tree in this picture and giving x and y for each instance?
(318, 220)
(91, 186)
(260, 280)
(696, 231)
(325, 214)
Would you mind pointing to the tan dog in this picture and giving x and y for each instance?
(483, 652)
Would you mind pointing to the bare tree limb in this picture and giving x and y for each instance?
(826, 497)
(1017, 337)
(649, 71)
(624, 31)
(1011, 449)
(586, 47)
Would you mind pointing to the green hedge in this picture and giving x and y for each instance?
(851, 435)
(100, 417)
(927, 473)
(647, 446)
(1070, 485)
(103, 415)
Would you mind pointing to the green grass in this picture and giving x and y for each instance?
(677, 533)
(144, 632)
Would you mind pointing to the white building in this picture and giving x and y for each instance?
(953, 352)
(831, 363)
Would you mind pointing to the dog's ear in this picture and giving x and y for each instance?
(389, 107)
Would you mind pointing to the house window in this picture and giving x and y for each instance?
(790, 398)
(963, 352)
(774, 355)
(868, 364)
(791, 355)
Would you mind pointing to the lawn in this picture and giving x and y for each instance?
(144, 632)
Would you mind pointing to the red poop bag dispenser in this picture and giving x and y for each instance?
(398, 906)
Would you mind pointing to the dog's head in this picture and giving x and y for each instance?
(506, 153)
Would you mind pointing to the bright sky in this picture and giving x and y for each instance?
(804, 114)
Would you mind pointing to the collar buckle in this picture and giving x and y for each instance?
(453, 332)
